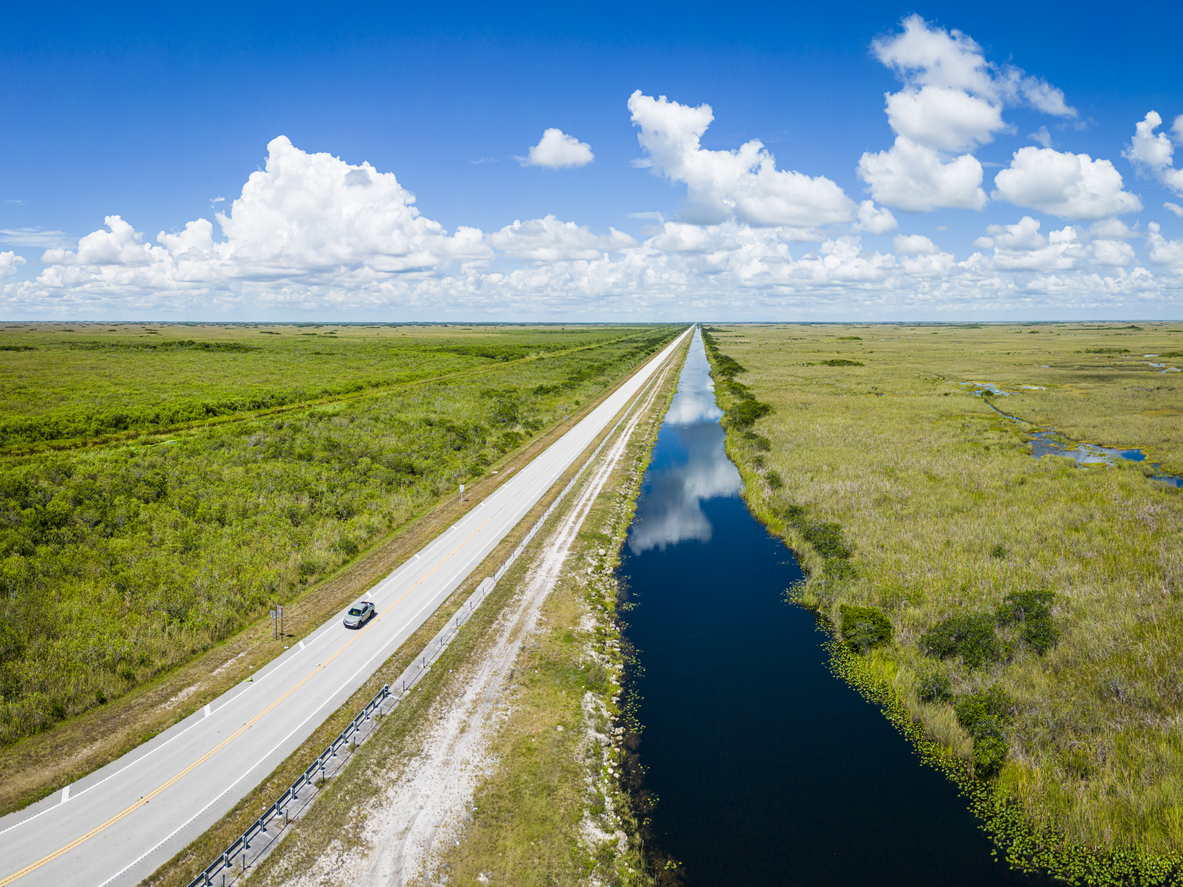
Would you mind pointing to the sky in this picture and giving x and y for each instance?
(591, 162)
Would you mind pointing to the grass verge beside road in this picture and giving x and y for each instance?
(101, 731)
(867, 448)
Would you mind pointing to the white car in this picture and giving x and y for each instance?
(359, 614)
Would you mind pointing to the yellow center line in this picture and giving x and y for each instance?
(32, 867)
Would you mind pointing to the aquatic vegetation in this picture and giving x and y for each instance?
(945, 513)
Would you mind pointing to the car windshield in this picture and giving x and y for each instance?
(356, 611)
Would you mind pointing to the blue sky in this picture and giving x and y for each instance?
(150, 114)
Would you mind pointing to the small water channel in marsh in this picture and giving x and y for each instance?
(1050, 442)
(768, 769)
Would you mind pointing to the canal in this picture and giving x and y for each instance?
(767, 769)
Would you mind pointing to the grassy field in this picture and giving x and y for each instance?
(530, 819)
(248, 464)
(1034, 610)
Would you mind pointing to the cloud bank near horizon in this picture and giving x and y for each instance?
(311, 233)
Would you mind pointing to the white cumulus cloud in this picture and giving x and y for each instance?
(943, 118)
(875, 219)
(1115, 253)
(1152, 153)
(1163, 251)
(914, 178)
(952, 101)
(1174, 207)
(1072, 186)
(549, 240)
(1020, 247)
(915, 244)
(313, 235)
(9, 262)
(742, 184)
(1112, 229)
(557, 150)
(307, 217)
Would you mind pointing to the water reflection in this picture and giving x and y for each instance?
(670, 508)
(768, 770)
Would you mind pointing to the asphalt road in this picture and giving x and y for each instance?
(119, 824)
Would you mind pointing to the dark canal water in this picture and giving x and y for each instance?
(768, 769)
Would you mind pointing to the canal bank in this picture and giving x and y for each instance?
(766, 768)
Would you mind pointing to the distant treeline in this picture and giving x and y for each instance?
(19, 430)
(164, 345)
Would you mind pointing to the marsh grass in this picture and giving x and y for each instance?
(946, 513)
(118, 563)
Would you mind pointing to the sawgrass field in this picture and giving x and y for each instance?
(1034, 609)
(162, 486)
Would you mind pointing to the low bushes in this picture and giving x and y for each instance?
(1033, 610)
(971, 636)
(934, 686)
(865, 627)
(986, 716)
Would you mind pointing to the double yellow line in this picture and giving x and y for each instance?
(32, 867)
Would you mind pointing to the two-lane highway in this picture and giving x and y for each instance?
(120, 823)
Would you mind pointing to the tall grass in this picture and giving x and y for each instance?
(119, 562)
(946, 512)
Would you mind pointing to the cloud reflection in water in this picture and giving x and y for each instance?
(689, 468)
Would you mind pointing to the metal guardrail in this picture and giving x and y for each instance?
(234, 859)
(232, 865)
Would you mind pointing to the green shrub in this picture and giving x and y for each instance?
(967, 635)
(794, 514)
(1033, 609)
(1039, 633)
(843, 362)
(727, 367)
(826, 539)
(934, 686)
(985, 716)
(1021, 605)
(745, 413)
(865, 627)
(824, 536)
(774, 480)
(990, 751)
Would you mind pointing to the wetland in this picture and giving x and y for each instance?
(1030, 613)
